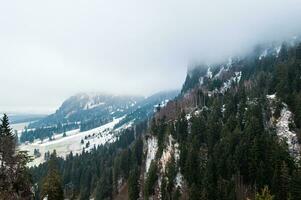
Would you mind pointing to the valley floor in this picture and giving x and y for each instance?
(71, 142)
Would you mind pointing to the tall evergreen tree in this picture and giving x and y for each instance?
(133, 184)
(15, 181)
(52, 183)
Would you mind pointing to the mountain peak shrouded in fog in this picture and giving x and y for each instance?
(125, 47)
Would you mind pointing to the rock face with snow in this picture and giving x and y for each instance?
(236, 88)
(284, 132)
(171, 150)
(283, 124)
(152, 148)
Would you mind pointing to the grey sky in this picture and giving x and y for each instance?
(50, 50)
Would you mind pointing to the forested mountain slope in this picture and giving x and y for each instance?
(87, 111)
(232, 133)
(235, 130)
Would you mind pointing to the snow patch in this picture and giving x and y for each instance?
(152, 147)
(209, 73)
(277, 49)
(201, 80)
(167, 154)
(223, 108)
(91, 106)
(219, 73)
(172, 149)
(235, 79)
(263, 54)
(179, 180)
(188, 116)
(284, 132)
(271, 97)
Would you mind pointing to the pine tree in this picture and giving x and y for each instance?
(194, 192)
(133, 184)
(15, 181)
(52, 183)
(284, 181)
(104, 186)
(151, 180)
(8, 145)
(296, 185)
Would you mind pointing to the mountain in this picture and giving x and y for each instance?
(85, 121)
(148, 106)
(234, 132)
(88, 111)
(85, 107)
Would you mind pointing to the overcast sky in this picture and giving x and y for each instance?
(50, 50)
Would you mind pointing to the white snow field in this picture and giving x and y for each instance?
(72, 142)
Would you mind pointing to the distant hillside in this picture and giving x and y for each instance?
(146, 108)
(85, 107)
(88, 111)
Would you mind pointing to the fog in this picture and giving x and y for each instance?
(50, 50)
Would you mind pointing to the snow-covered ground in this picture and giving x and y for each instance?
(72, 141)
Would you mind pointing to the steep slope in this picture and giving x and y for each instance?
(147, 107)
(235, 129)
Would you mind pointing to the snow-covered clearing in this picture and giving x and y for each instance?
(72, 141)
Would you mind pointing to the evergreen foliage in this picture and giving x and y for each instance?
(15, 180)
(52, 183)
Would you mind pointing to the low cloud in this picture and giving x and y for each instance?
(51, 50)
